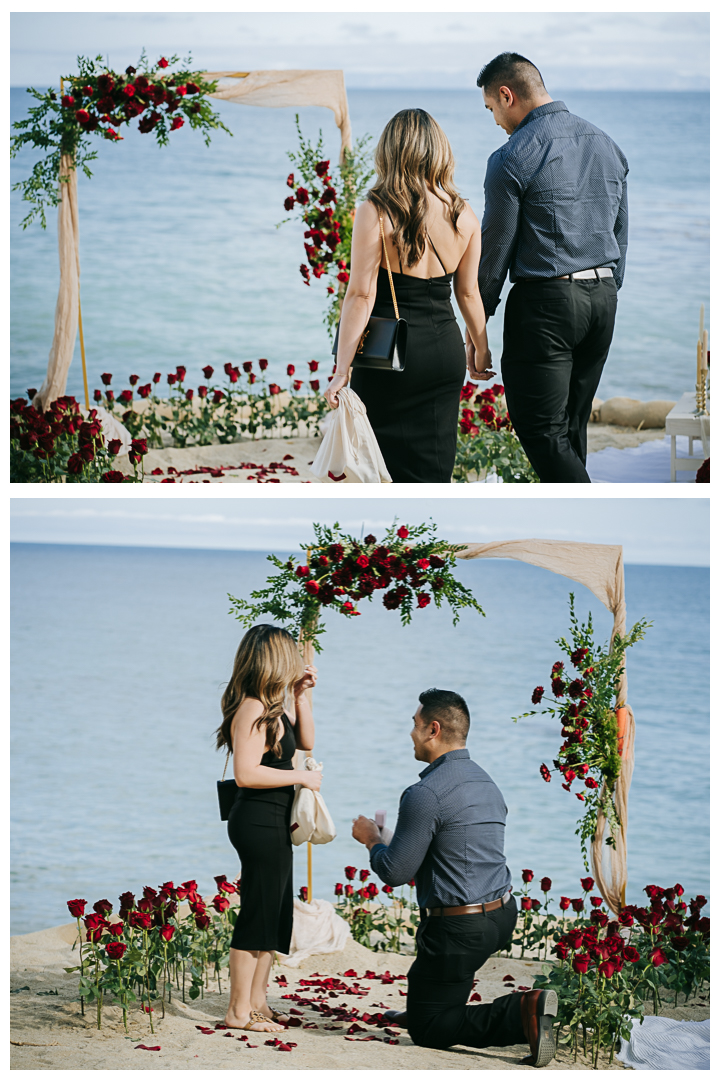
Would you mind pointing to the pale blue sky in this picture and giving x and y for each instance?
(574, 50)
(652, 531)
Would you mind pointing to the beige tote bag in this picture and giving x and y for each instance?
(349, 452)
(310, 820)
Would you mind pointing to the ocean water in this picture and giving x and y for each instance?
(120, 656)
(182, 264)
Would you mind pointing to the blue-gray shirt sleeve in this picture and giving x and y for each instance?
(500, 226)
(621, 235)
(399, 862)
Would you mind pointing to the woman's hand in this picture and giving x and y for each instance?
(310, 779)
(331, 394)
(307, 682)
(479, 364)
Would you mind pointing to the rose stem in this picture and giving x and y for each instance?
(82, 969)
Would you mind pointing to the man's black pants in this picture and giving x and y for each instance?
(451, 948)
(557, 336)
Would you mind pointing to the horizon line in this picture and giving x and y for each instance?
(288, 550)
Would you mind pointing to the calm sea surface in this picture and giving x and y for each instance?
(181, 261)
(120, 656)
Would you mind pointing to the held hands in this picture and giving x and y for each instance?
(331, 394)
(307, 682)
(365, 831)
(479, 365)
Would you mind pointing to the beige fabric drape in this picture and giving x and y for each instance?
(270, 88)
(66, 309)
(276, 89)
(600, 568)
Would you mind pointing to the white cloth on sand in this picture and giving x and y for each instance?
(113, 429)
(661, 1043)
(317, 928)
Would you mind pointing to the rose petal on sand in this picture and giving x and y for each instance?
(142, 1046)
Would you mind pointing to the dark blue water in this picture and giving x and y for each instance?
(120, 656)
(182, 264)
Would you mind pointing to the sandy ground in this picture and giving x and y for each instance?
(272, 459)
(48, 1032)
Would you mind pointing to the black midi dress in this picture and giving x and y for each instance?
(414, 413)
(259, 830)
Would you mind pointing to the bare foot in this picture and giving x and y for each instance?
(252, 1021)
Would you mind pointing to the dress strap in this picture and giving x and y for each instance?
(436, 253)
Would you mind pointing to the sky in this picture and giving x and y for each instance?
(652, 531)
(379, 49)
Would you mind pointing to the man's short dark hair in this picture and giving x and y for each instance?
(514, 71)
(450, 711)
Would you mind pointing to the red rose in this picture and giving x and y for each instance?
(76, 464)
(141, 920)
(343, 276)
(116, 950)
(587, 883)
(217, 397)
(127, 901)
(526, 903)
(291, 369)
(202, 921)
(262, 364)
(658, 957)
(364, 875)
(545, 773)
(126, 396)
(347, 606)
(403, 532)
(312, 587)
(349, 890)
(339, 888)
(322, 167)
(561, 950)
(177, 123)
(350, 872)
(537, 695)
(97, 395)
(189, 394)
(303, 893)
(578, 904)
(372, 890)
(106, 377)
(181, 90)
(607, 969)
(315, 385)
(220, 903)
(313, 365)
(599, 918)
(172, 379)
(297, 384)
(95, 921)
(302, 571)
(116, 928)
(162, 62)
(527, 876)
(387, 889)
(423, 599)
(82, 116)
(302, 196)
(77, 908)
(102, 907)
(564, 903)
(68, 100)
(596, 901)
(545, 884)
(558, 687)
(274, 389)
(581, 963)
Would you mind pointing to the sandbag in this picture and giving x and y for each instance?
(317, 928)
(628, 412)
(349, 452)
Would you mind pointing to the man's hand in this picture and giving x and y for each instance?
(366, 832)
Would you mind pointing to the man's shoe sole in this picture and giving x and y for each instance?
(546, 1012)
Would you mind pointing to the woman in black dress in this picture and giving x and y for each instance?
(433, 240)
(266, 717)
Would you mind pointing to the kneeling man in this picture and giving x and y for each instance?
(450, 838)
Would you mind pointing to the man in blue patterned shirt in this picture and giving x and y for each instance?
(450, 839)
(556, 220)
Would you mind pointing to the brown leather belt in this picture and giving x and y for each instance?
(470, 909)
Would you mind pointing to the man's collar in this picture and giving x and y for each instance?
(464, 753)
(542, 110)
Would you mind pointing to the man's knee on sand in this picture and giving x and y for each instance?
(428, 1035)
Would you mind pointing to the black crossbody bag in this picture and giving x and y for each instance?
(227, 791)
(383, 341)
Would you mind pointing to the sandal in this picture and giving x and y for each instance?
(256, 1018)
(278, 1017)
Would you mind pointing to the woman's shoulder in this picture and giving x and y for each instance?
(249, 710)
(366, 213)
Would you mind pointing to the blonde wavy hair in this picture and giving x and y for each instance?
(412, 156)
(266, 666)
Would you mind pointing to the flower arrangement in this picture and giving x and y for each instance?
(246, 404)
(410, 566)
(584, 703)
(60, 445)
(486, 439)
(149, 944)
(326, 208)
(392, 922)
(100, 101)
